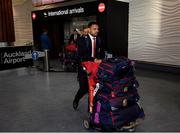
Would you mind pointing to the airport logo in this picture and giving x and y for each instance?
(14, 57)
(66, 12)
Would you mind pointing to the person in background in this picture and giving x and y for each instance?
(85, 31)
(90, 48)
(46, 46)
(74, 36)
(45, 41)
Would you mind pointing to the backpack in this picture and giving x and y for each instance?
(112, 120)
(115, 68)
(119, 87)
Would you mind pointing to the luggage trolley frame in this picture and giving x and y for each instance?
(130, 127)
(69, 59)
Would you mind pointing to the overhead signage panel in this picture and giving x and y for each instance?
(84, 9)
(66, 12)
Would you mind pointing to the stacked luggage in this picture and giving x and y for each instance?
(115, 102)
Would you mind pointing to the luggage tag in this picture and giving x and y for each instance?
(96, 89)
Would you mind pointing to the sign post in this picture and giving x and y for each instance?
(46, 60)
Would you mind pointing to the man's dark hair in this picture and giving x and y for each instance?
(92, 23)
(44, 30)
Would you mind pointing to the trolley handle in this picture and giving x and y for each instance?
(87, 72)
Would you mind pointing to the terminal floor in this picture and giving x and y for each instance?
(36, 101)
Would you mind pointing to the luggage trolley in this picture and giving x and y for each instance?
(69, 57)
(91, 69)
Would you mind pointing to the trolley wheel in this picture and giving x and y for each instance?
(131, 127)
(86, 124)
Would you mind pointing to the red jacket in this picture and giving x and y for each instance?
(92, 69)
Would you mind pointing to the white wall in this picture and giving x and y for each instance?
(22, 21)
(154, 31)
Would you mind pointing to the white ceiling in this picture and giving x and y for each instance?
(18, 2)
